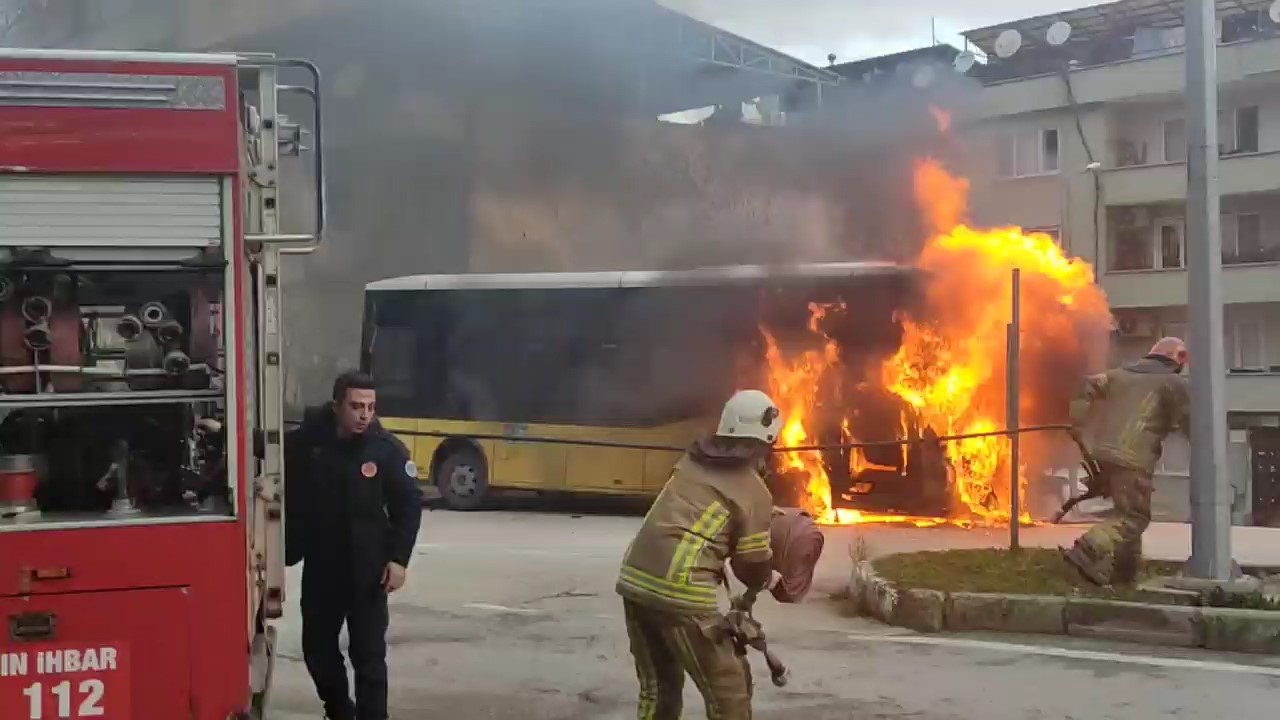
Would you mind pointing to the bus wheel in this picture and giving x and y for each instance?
(463, 480)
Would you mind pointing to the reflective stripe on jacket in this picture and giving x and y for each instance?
(705, 516)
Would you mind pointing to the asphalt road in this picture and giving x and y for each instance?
(512, 615)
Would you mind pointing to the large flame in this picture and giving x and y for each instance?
(949, 370)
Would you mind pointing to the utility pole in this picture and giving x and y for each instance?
(1210, 498)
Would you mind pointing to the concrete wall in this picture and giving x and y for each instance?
(1065, 199)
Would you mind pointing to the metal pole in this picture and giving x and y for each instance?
(1210, 508)
(1012, 374)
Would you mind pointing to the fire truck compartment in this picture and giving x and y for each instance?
(112, 390)
(117, 655)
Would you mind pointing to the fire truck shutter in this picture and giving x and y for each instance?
(93, 211)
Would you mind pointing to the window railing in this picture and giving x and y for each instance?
(1252, 257)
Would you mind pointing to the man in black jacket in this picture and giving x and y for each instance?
(353, 512)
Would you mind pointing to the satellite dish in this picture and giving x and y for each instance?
(966, 60)
(1008, 43)
(1059, 32)
(923, 76)
(1274, 12)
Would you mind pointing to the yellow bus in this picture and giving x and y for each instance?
(637, 358)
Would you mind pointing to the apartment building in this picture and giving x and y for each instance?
(1080, 131)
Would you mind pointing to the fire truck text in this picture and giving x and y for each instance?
(58, 662)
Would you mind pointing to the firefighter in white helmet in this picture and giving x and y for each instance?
(714, 508)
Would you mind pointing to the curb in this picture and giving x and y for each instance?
(931, 611)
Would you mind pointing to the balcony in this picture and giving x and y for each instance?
(1256, 283)
(1167, 182)
(1249, 392)
(1153, 75)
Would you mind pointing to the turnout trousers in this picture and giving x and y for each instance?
(1111, 551)
(327, 604)
(666, 646)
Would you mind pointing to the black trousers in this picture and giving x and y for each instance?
(327, 603)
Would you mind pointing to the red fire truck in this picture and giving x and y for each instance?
(141, 481)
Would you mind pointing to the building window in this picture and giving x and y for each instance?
(1169, 244)
(1160, 245)
(1245, 346)
(1248, 240)
(1242, 239)
(1133, 249)
(1237, 133)
(1175, 140)
(1246, 127)
(1028, 152)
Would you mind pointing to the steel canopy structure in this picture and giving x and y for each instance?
(635, 55)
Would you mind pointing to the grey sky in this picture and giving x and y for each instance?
(855, 29)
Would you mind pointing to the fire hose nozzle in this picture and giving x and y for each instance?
(153, 314)
(169, 331)
(129, 327)
(37, 308)
(38, 336)
(176, 363)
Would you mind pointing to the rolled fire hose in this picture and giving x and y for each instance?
(201, 343)
(14, 352)
(65, 333)
(796, 542)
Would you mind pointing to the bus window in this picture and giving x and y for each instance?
(515, 355)
(391, 350)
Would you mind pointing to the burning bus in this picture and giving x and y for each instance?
(592, 382)
(946, 376)
(592, 360)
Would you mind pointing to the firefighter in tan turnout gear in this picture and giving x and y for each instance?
(715, 508)
(1137, 406)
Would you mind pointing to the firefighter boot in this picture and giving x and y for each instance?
(1128, 563)
(1083, 563)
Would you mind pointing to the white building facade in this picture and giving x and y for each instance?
(1087, 140)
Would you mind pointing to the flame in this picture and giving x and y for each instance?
(949, 370)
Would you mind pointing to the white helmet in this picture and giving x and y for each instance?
(750, 414)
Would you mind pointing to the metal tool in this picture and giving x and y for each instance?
(746, 632)
(1094, 487)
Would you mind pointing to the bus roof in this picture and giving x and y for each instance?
(733, 275)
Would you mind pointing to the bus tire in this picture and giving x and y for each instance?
(463, 479)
